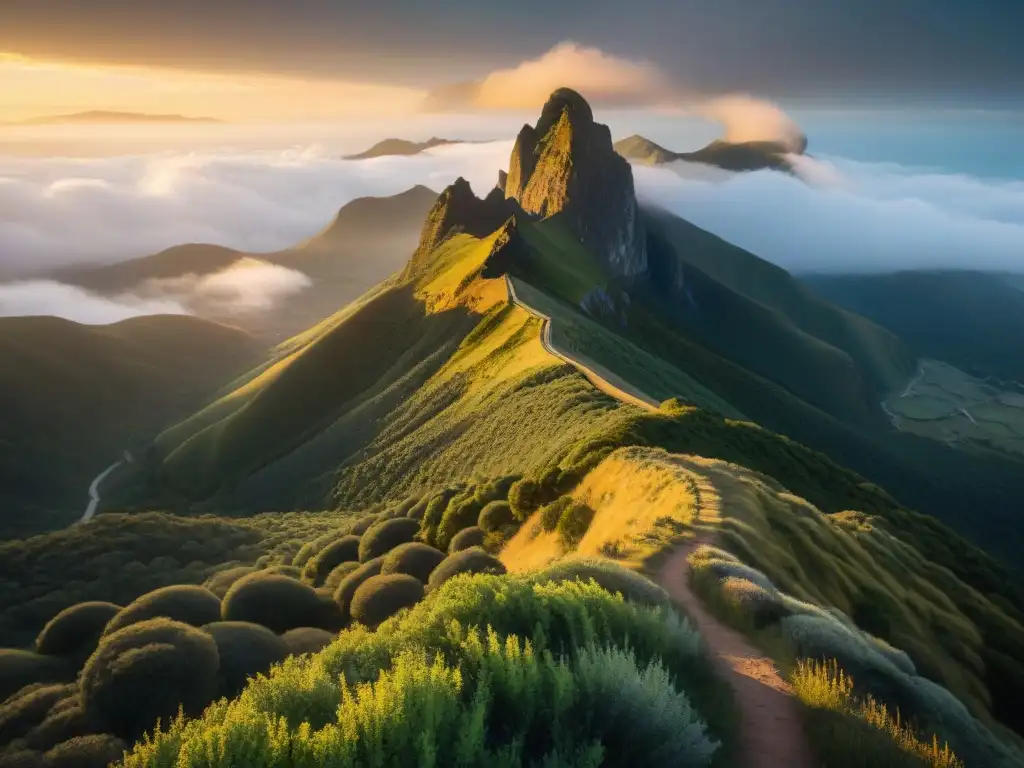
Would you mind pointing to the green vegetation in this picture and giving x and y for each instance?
(20, 668)
(590, 679)
(183, 602)
(381, 538)
(347, 588)
(76, 396)
(245, 650)
(495, 516)
(414, 559)
(145, 672)
(614, 578)
(277, 602)
(466, 539)
(306, 640)
(76, 631)
(473, 560)
(848, 732)
(381, 597)
(342, 550)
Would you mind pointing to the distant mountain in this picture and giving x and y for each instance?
(974, 320)
(729, 156)
(74, 397)
(99, 116)
(401, 147)
(369, 239)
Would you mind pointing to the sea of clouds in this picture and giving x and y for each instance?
(836, 216)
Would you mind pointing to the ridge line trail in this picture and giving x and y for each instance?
(771, 731)
(601, 382)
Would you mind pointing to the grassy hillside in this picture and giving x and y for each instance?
(969, 319)
(74, 397)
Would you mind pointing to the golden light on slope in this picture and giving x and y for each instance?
(32, 87)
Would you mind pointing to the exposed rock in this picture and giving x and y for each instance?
(459, 210)
(502, 181)
(567, 165)
(509, 247)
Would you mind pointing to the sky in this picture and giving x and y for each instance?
(323, 59)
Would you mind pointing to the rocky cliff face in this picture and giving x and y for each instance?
(459, 210)
(567, 165)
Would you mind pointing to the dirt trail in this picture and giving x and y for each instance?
(601, 379)
(771, 729)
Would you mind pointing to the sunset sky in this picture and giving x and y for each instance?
(328, 59)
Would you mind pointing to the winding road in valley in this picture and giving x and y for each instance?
(771, 727)
(94, 487)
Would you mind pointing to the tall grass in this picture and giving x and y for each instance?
(850, 732)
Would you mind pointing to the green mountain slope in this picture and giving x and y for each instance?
(727, 155)
(74, 397)
(970, 319)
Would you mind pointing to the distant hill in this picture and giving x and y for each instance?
(729, 156)
(370, 238)
(73, 397)
(974, 320)
(100, 116)
(401, 147)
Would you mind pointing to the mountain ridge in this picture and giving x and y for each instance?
(729, 156)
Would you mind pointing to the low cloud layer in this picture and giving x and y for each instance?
(846, 216)
(47, 297)
(55, 212)
(745, 118)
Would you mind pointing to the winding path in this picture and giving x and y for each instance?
(771, 727)
(94, 487)
(600, 379)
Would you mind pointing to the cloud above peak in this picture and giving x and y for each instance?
(604, 79)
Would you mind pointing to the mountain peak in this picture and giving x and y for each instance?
(458, 209)
(567, 165)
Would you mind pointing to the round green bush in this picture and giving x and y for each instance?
(76, 630)
(220, 582)
(245, 650)
(363, 524)
(414, 559)
(524, 498)
(384, 536)
(573, 524)
(467, 538)
(22, 758)
(473, 560)
(329, 616)
(291, 571)
(97, 750)
(348, 586)
(20, 668)
(183, 602)
(145, 672)
(495, 516)
(277, 602)
(27, 709)
(344, 550)
(306, 640)
(419, 509)
(59, 726)
(608, 575)
(335, 577)
(381, 597)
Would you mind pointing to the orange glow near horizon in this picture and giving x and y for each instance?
(33, 87)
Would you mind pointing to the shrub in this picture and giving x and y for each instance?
(334, 578)
(380, 597)
(413, 558)
(609, 576)
(93, 751)
(344, 550)
(76, 631)
(277, 602)
(348, 586)
(185, 603)
(306, 640)
(474, 560)
(145, 672)
(221, 581)
(418, 510)
(552, 513)
(573, 524)
(20, 668)
(245, 651)
(384, 536)
(466, 538)
(754, 603)
(22, 758)
(291, 571)
(523, 498)
(362, 525)
(22, 712)
(495, 516)
(329, 616)
(59, 726)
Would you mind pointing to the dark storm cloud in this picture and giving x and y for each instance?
(782, 47)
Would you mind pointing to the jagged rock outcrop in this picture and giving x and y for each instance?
(502, 181)
(567, 165)
(509, 247)
(459, 210)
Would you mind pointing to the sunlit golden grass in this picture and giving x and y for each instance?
(849, 731)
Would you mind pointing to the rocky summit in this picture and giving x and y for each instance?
(567, 165)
